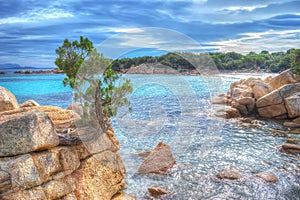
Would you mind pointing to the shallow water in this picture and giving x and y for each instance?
(176, 110)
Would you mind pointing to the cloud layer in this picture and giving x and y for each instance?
(31, 30)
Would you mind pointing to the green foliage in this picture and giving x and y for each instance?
(70, 57)
(96, 85)
(296, 61)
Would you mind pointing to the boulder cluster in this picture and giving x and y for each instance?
(42, 156)
(273, 98)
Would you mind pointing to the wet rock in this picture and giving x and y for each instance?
(278, 133)
(123, 196)
(268, 177)
(291, 124)
(292, 140)
(229, 174)
(219, 100)
(272, 111)
(29, 103)
(294, 131)
(156, 192)
(227, 112)
(284, 78)
(292, 105)
(144, 153)
(31, 131)
(290, 149)
(7, 100)
(159, 161)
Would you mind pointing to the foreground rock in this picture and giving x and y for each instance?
(229, 174)
(36, 164)
(7, 100)
(159, 161)
(123, 196)
(29, 103)
(156, 192)
(268, 177)
(290, 149)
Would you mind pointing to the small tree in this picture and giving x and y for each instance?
(96, 85)
(296, 61)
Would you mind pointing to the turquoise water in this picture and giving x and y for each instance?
(176, 110)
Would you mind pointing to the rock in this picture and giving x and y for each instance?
(156, 192)
(278, 133)
(29, 103)
(292, 140)
(70, 196)
(268, 177)
(241, 91)
(4, 181)
(219, 100)
(291, 124)
(272, 98)
(290, 149)
(77, 108)
(36, 193)
(229, 174)
(261, 89)
(123, 196)
(272, 111)
(289, 90)
(297, 120)
(159, 161)
(227, 112)
(7, 100)
(32, 131)
(99, 179)
(249, 102)
(144, 153)
(284, 78)
(292, 105)
(294, 131)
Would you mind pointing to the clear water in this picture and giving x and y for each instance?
(176, 110)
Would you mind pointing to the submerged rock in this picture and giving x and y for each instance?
(292, 140)
(229, 174)
(8, 101)
(159, 161)
(156, 192)
(268, 177)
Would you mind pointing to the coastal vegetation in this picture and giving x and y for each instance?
(97, 86)
(231, 61)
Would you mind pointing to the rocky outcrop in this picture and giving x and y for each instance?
(43, 156)
(159, 161)
(273, 98)
(29, 103)
(156, 192)
(230, 173)
(7, 100)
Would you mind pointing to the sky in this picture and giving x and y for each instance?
(31, 30)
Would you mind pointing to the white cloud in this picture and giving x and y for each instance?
(269, 40)
(37, 15)
(244, 8)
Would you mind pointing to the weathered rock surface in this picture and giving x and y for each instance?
(261, 89)
(31, 131)
(7, 100)
(292, 105)
(29, 103)
(268, 177)
(284, 78)
(272, 111)
(229, 174)
(159, 161)
(34, 165)
(123, 196)
(156, 192)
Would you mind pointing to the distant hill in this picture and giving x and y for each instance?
(14, 66)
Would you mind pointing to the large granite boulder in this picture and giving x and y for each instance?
(260, 89)
(273, 111)
(31, 131)
(272, 98)
(292, 105)
(8, 101)
(29, 103)
(284, 78)
(159, 161)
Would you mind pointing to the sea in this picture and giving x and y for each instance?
(176, 110)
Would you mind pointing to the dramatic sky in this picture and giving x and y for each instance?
(31, 30)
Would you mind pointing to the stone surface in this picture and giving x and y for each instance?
(97, 180)
(249, 102)
(36, 193)
(77, 108)
(29, 103)
(291, 124)
(283, 78)
(261, 89)
(156, 192)
(289, 90)
(7, 100)
(292, 105)
(290, 149)
(292, 140)
(31, 131)
(4, 181)
(268, 177)
(272, 111)
(227, 112)
(123, 196)
(229, 174)
(144, 153)
(272, 98)
(159, 161)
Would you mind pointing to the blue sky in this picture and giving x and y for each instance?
(31, 30)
